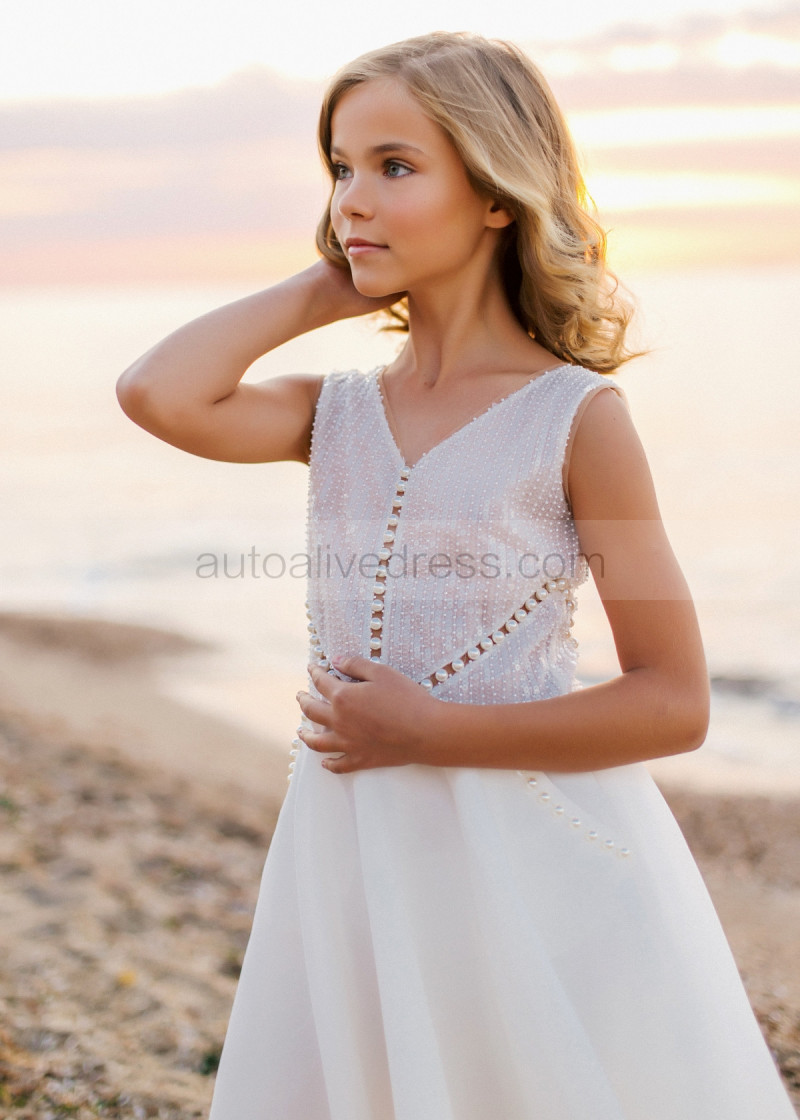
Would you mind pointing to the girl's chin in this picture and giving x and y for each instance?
(374, 290)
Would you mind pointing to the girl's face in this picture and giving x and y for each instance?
(403, 208)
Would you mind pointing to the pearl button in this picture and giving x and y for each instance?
(520, 615)
(511, 624)
(427, 685)
(376, 623)
(375, 643)
(384, 554)
(497, 637)
(457, 664)
(377, 604)
(486, 644)
(540, 593)
(473, 654)
(441, 675)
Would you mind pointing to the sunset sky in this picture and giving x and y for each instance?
(174, 142)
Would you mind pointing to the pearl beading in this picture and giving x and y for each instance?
(473, 653)
(382, 570)
(439, 676)
(537, 783)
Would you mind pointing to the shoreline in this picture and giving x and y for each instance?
(97, 681)
(134, 830)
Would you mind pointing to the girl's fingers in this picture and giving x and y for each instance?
(318, 711)
(322, 741)
(359, 668)
(341, 765)
(325, 683)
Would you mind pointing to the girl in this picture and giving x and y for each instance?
(476, 902)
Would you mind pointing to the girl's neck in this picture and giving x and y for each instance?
(460, 338)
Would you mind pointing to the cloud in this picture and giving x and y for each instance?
(746, 58)
(235, 164)
(254, 104)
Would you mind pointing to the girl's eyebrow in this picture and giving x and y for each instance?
(380, 149)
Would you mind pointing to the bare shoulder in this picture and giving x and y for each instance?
(608, 471)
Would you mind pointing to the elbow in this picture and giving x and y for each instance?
(678, 710)
(138, 399)
(690, 717)
(131, 394)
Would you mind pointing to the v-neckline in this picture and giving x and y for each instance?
(382, 408)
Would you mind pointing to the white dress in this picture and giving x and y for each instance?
(457, 943)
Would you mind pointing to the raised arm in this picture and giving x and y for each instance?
(657, 706)
(186, 390)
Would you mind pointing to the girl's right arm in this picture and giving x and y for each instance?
(186, 390)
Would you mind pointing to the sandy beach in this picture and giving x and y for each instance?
(134, 830)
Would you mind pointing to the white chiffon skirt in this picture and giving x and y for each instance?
(462, 944)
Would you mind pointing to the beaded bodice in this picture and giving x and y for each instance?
(459, 571)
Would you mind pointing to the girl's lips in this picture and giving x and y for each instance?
(362, 248)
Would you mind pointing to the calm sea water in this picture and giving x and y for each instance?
(99, 518)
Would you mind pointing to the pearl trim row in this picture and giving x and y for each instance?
(379, 587)
(536, 783)
(382, 570)
(552, 586)
(293, 753)
(431, 680)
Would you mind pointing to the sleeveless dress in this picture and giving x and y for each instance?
(462, 943)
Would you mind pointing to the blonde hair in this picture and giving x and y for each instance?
(500, 114)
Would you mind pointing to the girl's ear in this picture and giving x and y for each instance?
(498, 216)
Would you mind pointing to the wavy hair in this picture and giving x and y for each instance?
(500, 114)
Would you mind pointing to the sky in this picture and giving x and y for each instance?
(174, 141)
(115, 47)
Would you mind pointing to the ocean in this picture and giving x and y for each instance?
(98, 518)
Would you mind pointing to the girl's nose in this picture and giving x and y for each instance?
(352, 199)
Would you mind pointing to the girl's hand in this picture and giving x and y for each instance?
(338, 295)
(375, 720)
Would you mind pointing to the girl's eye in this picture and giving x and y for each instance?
(340, 171)
(395, 170)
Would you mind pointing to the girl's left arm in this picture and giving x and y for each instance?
(657, 706)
